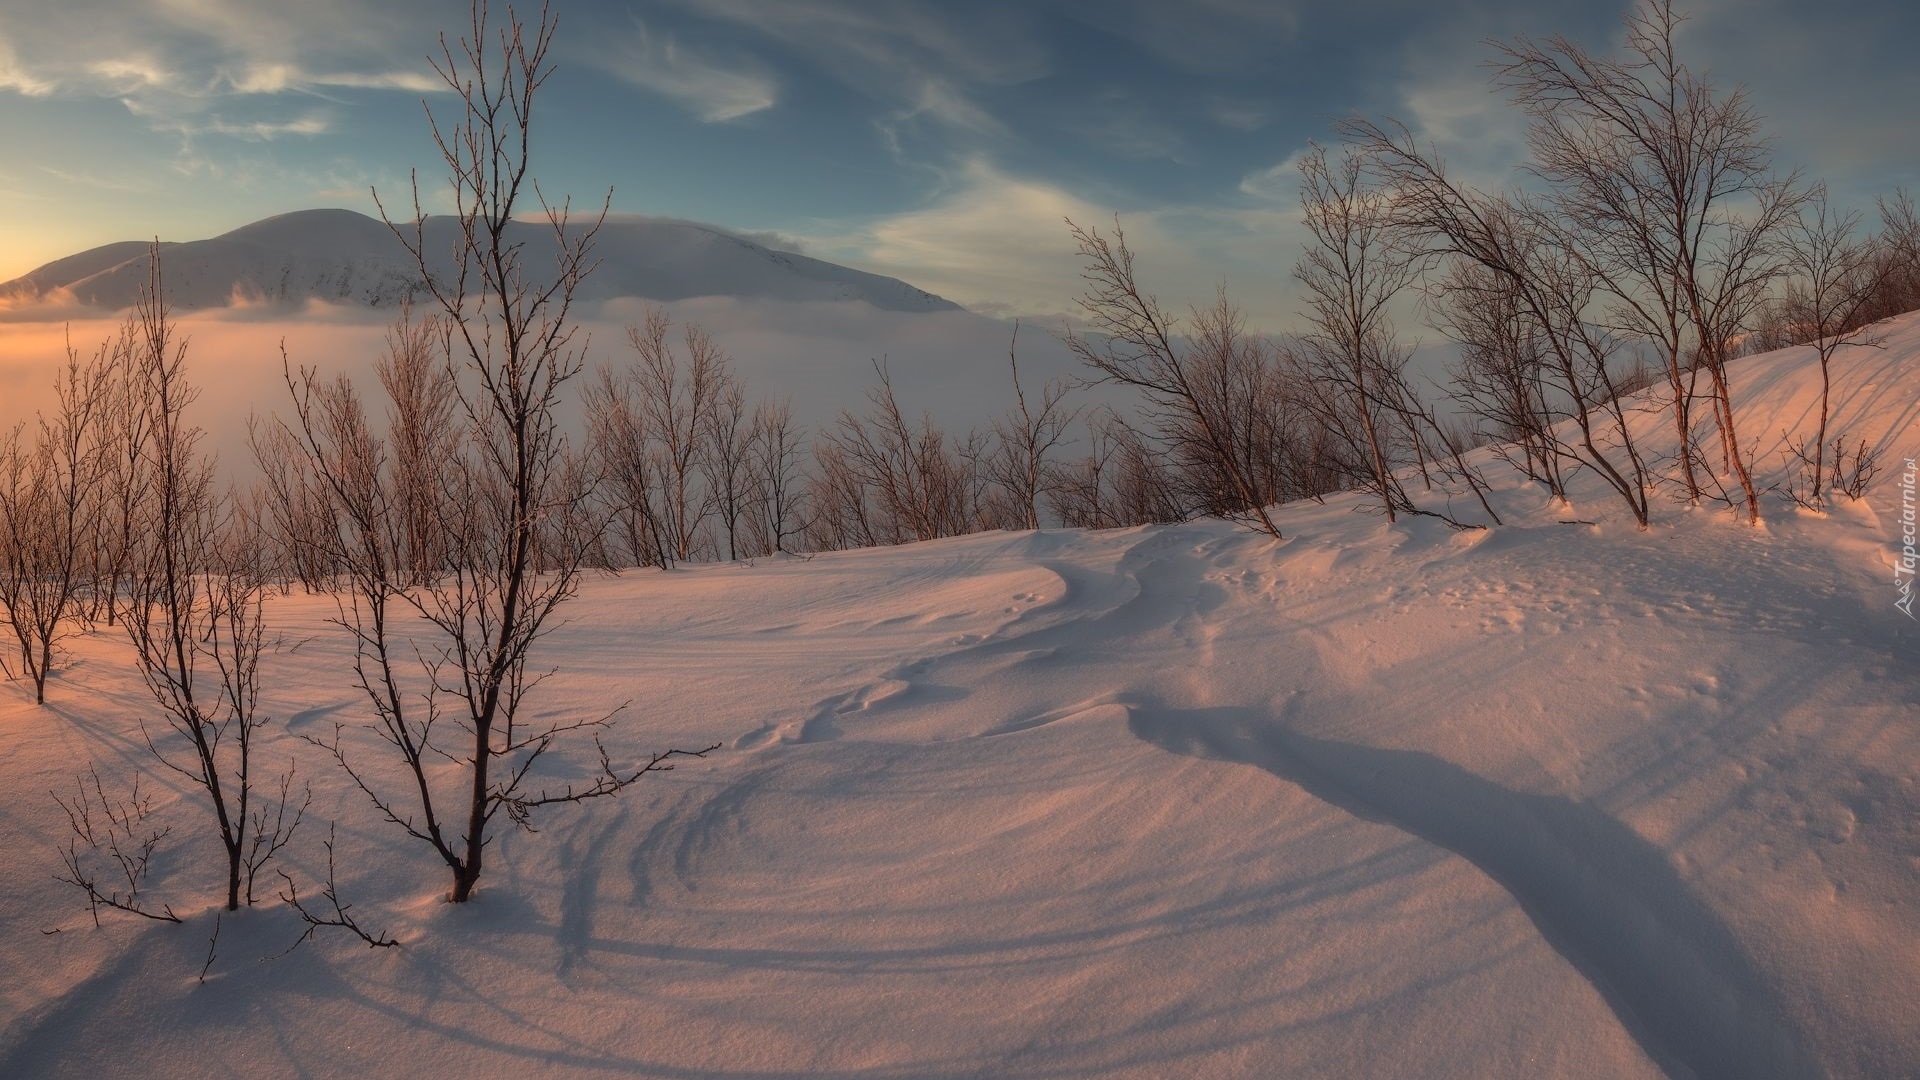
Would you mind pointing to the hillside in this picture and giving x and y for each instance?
(341, 257)
(1379, 800)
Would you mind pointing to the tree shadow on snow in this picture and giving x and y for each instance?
(1607, 900)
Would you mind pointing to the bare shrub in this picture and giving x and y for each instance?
(1848, 472)
(883, 479)
(336, 914)
(110, 850)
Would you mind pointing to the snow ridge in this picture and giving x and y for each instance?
(1604, 898)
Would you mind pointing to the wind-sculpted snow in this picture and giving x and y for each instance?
(1604, 898)
(1541, 801)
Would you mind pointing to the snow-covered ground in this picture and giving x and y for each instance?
(1377, 801)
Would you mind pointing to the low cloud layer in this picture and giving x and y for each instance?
(951, 365)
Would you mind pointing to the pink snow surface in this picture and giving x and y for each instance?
(1377, 801)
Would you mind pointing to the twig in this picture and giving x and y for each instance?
(213, 942)
(339, 917)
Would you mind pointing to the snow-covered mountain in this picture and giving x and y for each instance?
(341, 257)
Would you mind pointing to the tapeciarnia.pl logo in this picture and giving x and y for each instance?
(1904, 565)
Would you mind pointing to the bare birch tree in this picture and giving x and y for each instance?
(1188, 388)
(774, 502)
(1352, 274)
(1668, 182)
(1019, 468)
(1501, 379)
(623, 453)
(1896, 259)
(1079, 495)
(889, 480)
(676, 401)
(724, 460)
(195, 615)
(509, 513)
(123, 497)
(50, 503)
(1532, 262)
(1834, 283)
(423, 436)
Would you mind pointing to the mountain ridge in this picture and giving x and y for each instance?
(343, 257)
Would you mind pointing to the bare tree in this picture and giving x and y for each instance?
(1500, 380)
(676, 402)
(1121, 481)
(617, 435)
(724, 459)
(194, 617)
(1531, 261)
(510, 513)
(1191, 397)
(1079, 493)
(1352, 274)
(839, 517)
(423, 436)
(670, 435)
(49, 514)
(1018, 468)
(123, 497)
(888, 480)
(295, 515)
(1833, 284)
(773, 509)
(1145, 488)
(1253, 397)
(1667, 182)
(1896, 259)
(1726, 301)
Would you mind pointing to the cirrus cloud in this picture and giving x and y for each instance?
(713, 89)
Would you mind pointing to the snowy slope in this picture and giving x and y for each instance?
(340, 257)
(1384, 801)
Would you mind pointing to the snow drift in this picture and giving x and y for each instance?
(1548, 800)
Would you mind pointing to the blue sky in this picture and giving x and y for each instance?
(941, 142)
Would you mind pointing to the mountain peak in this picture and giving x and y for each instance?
(344, 257)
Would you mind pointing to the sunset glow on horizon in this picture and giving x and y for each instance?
(935, 142)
